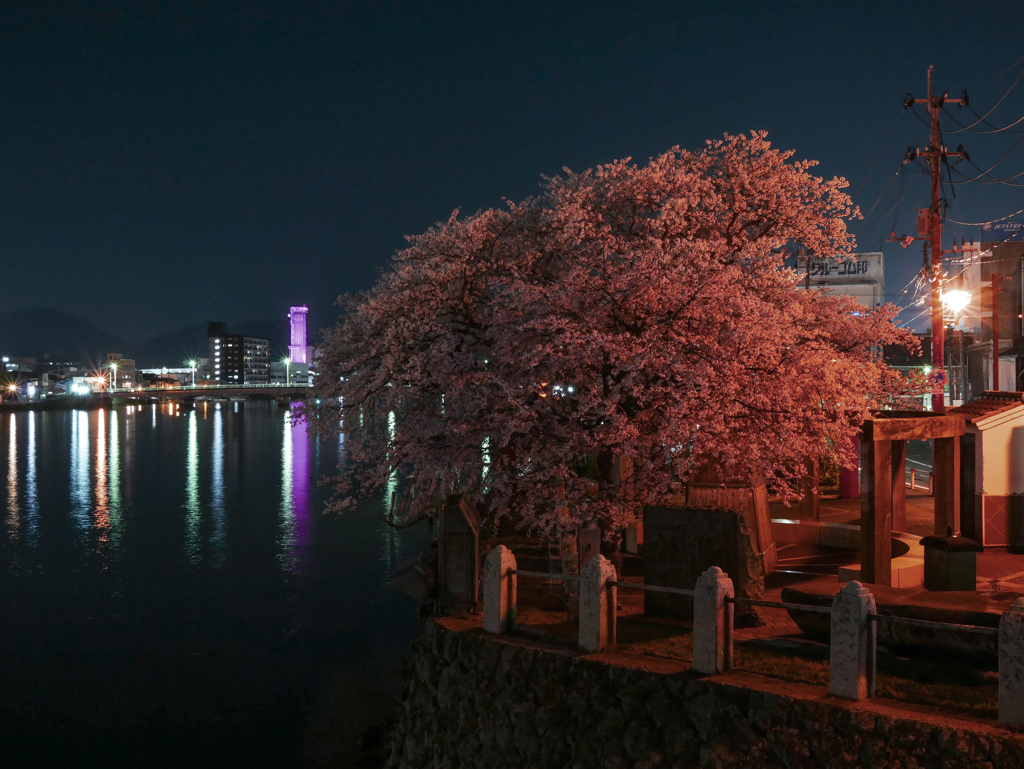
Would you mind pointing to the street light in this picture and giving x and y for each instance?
(956, 300)
(287, 371)
(113, 375)
(192, 365)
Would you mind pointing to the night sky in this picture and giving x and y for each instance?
(163, 164)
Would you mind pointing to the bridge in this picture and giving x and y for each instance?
(282, 393)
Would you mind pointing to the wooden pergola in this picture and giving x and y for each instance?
(883, 491)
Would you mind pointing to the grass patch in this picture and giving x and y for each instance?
(654, 639)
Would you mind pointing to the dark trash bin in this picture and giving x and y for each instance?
(950, 562)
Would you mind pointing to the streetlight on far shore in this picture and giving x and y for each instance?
(191, 363)
(113, 375)
(287, 371)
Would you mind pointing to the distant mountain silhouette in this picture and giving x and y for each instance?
(53, 335)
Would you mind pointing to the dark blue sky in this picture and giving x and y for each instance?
(163, 164)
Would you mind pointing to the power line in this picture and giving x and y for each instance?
(994, 106)
(993, 221)
(1004, 129)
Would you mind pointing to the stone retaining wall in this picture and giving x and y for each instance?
(474, 700)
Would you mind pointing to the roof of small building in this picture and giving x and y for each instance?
(989, 404)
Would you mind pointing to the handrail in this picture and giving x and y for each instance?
(653, 588)
(781, 605)
(980, 629)
(545, 575)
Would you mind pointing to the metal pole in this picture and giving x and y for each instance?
(935, 233)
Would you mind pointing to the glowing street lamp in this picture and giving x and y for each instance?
(287, 371)
(192, 362)
(113, 375)
(956, 300)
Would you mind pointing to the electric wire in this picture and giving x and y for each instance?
(994, 106)
(996, 164)
(888, 141)
(1004, 129)
(991, 221)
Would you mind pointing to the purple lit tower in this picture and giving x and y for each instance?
(297, 348)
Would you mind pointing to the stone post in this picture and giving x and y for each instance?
(712, 622)
(852, 648)
(597, 604)
(1011, 665)
(499, 591)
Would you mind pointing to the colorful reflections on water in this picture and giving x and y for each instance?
(22, 497)
(101, 509)
(13, 509)
(212, 445)
(81, 502)
(31, 491)
(193, 515)
(295, 477)
(217, 487)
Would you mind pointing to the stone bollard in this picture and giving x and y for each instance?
(597, 604)
(852, 648)
(499, 591)
(1011, 665)
(712, 622)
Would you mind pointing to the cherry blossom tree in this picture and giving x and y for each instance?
(636, 317)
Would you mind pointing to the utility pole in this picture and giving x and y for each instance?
(930, 228)
(995, 331)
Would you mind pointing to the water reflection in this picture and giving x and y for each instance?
(80, 468)
(192, 490)
(295, 523)
(101, 511)
(115, 482)
(388, 557)
(217, 485)
(31, 492)
(13, 511)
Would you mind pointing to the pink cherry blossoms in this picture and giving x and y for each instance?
(575, 356)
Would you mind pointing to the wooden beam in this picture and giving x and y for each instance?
(918, 428)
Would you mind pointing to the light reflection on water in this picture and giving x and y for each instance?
(192, 489)
(114, 483)
(31, 492)
(101, 514)
(189, 545)
(295, 477)
(13, 511)
(80, 499)
(217, 487)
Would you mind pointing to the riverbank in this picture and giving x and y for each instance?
(479, 700)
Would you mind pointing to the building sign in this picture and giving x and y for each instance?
(1002, 232)
(856, 268)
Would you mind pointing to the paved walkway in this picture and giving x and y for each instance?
(999, 571)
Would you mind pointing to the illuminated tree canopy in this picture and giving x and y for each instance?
(631, 312)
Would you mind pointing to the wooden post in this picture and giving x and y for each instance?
(947, 485)
(875, 509)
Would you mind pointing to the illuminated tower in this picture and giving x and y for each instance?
(297, 348)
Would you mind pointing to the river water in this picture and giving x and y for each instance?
(172, 595)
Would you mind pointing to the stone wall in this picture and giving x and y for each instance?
(474, 700)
